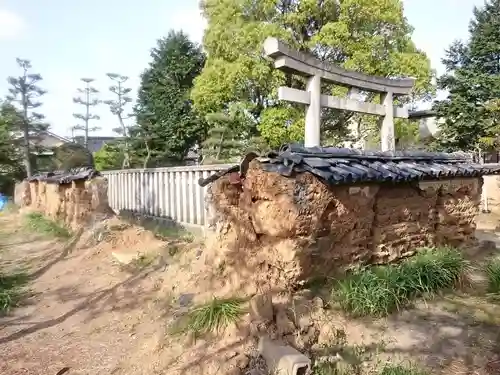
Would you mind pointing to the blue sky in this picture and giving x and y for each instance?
(68, 40)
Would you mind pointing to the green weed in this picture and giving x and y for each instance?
(380, 290)
(143, 260)
(11, 290)
(212, 316)
(493, 275)
(38, 223)
(390, 369)
(169, 233)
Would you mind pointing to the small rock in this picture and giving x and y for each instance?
(318, 303)
(487, 245)
(311, 336)
(304, 322)
(190, 339)
(261, 307)
(185, 299)
(242, 361)
(283, 323)
(234, 371)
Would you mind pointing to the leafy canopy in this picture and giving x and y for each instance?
(371, 36)
(10, 157)
(109, 157)
(471, 111)
(164, 110)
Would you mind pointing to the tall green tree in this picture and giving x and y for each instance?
(370, 36)
(25, 91)
(118, 107)
(472, 79)
(88, 100)
(164, 110)
(11, 157)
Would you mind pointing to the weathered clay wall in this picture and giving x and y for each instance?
(299, 227)
(74, 204)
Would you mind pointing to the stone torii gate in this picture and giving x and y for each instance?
(306, 65)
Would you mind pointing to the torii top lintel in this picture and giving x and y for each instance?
(307, 65)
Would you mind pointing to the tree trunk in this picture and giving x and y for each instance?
(26, 134)
(86, 140)
(148, 155)
(126, 152)
(27, 154)
(219, 148)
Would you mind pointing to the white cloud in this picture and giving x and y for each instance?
(11, 25)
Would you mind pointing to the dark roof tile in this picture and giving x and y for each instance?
(65, 177)
(344, 166)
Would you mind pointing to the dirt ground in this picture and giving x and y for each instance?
(89, 314)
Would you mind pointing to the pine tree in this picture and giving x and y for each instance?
(25, 92)
(11, 158)
(117, 107)
(164, 110)
(87, 100)
(472, 79)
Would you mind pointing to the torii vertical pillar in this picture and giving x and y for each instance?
(312, 136)
(387, 138)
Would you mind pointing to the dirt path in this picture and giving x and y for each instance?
(88, 314)
(83, 313)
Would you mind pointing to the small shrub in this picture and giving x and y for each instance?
(36, 222)
(493, 275)
(169, 233)
(390, 369)
(11, 290)
(335, 368)
(212, 316)
(143, 260)
(380, 290)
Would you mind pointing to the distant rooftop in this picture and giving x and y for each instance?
(95, 143)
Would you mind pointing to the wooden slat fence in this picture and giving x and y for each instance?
(171, 193)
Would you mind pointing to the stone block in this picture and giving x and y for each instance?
(283, 360)
(261, 307)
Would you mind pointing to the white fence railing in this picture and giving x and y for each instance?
(174, 193)
(171, 193)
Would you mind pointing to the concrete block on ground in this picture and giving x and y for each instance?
(283, 359)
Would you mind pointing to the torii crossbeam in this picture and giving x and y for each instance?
(315, 70)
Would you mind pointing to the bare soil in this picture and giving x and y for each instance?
(85, 312)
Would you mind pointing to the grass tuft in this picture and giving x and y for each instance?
(36, 222)
(493, 275)
(168, 233)
(143, 261)
(390, 369)
(213, 316)
(381, 290)
(11, 290)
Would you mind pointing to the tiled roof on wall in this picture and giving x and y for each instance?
(65, 177)
(346, 166)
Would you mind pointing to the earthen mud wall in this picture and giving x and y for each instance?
(298, 228)
(75, 204)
